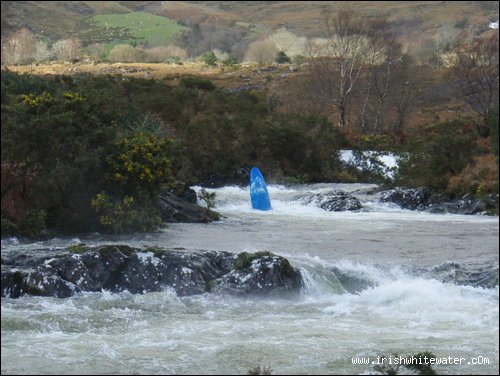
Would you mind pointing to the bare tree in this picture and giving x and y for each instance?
(404, 92)
(67, 49)
(475, 71)
(288, 42)
(125, 53)
(381, 72)
(336, 65)
(262, 52)
(20, 48)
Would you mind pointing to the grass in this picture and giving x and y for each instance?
(140, 27)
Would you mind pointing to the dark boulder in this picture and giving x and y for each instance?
(119, 268)
(174, 209)
(260, 273)
(426, 200)
(481, 276)
(408, 198)
(184, 192)
(335, 201)
(466, 204)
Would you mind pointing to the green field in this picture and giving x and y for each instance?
(140, 27)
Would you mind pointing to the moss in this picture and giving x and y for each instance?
(77, 248)
(181, 217)
(17, 277)
(157, 251)
(211, 285)
(287, 267)
(213, 216)
(106, 250)
(244, 259)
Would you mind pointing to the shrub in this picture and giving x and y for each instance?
(126, 215)
(140, 165)
(197, 83)
(230, 60)
(209, 58)
(440, 153)
(282, 58)
(208, 197)
(125, 53)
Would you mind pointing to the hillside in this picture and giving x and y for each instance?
(417, 23)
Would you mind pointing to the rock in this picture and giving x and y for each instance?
(238, 89)
(260, 273)
(184, 192)
(335, 201)
(425, 199)
(174, 209)
(485, 276)
(408, 198)
(353, 283)
(464, 205)
(118, 268)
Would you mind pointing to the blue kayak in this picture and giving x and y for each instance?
(258, 191)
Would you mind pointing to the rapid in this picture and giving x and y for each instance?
(379, 281)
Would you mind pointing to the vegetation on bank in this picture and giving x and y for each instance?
(88, 153)
(91, 153)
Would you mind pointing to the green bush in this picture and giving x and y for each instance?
(230, 60)
(140, 165)
(436, 154)
(126, 215)
(282, 58)
(209, 58)
(197, 83)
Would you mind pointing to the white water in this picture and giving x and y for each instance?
(319, 332)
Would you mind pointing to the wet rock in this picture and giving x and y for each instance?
(353, 283)
(483, 276)
(175, 209)
(466, 204)
(335, 201)
(408, 198)
(426, 200)
(260, 273)
(119, 268)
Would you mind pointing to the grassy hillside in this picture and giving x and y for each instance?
(139, 27)
(58, 19)
(91, 21)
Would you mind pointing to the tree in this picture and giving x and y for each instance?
(67, 49)
(382, 57)
(126, 54)
(336, 65)
(288, 43)
(20, 48)
(475, 73)
(404, 93)
(262, 52)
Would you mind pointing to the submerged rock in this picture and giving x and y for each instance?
(119, 268)
(336, 201)
(485, 276)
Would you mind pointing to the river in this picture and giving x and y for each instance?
(321, 331)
